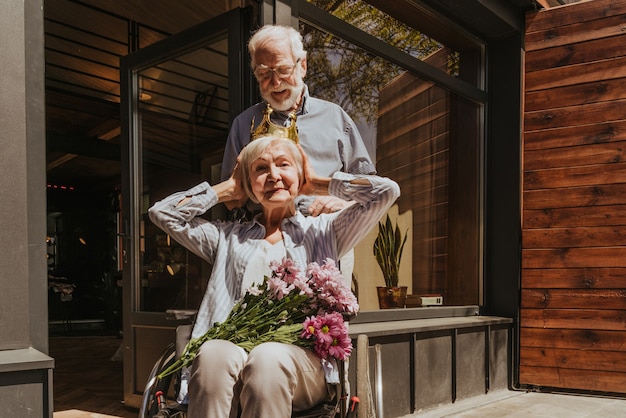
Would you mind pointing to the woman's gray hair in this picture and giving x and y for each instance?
(269, 33)
(254, 149)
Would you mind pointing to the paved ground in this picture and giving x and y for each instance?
(77, 413)
(500, 404)
(512, 404)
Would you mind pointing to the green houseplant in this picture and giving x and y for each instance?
(388, 248)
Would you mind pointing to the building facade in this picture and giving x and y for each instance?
(501, 122)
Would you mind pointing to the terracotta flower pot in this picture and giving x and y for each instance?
(391, 297)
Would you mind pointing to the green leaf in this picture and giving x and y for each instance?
(388, 248)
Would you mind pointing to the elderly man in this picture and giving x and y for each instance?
(325, 131)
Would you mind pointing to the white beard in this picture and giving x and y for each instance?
(289, 102)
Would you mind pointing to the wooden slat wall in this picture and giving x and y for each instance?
(573, 303)
(427, 142)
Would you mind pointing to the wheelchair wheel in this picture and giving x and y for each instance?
(154, 401)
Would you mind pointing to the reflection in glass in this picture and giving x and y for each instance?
(375, 22)
(415, 30)
(424, 137)
(183, 117)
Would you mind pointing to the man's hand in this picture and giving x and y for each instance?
(327, 204)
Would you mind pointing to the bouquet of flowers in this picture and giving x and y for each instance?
(291, 306)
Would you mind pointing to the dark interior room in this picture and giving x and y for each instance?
(84, 41)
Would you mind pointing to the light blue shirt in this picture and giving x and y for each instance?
(230, 245)
(327, 134)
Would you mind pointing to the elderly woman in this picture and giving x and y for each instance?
(274, 378)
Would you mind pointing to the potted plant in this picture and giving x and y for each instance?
(388, 248)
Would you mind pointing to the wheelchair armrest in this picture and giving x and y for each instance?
(181, 314)
(183, 335)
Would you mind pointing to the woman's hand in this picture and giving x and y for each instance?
(239, 195)
(230, 192)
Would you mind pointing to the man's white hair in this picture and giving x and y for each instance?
(272, 33)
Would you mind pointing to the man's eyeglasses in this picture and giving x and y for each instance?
(261, 72)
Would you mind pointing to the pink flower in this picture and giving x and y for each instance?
(290, 306)
(330, 335)
(286, 269)
(332, 324)
(310, 326)
(327, 296)
(341, 347)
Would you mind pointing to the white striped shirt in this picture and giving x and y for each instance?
(230, 245)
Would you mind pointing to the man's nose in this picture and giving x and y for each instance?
(274, 79)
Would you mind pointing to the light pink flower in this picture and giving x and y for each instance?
(277, 287)
(332, 292)
(254, 290)
(302, 283)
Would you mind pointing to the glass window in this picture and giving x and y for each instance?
(424, 135)
(183, 122)
(379, 24)
(414, 30)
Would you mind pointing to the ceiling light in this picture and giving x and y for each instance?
(174, 268)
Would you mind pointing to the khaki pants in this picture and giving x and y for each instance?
(267, 383)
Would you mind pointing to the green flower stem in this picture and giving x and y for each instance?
(252, 321)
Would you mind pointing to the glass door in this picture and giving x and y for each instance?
(178, 98)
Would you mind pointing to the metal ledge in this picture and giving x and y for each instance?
(415, 326)
(402, 314)
(24, 359)
(418, 320)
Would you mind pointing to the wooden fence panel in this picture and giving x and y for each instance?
(583, 340)
(573, 279)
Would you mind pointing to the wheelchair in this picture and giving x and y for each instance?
(159, 396)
